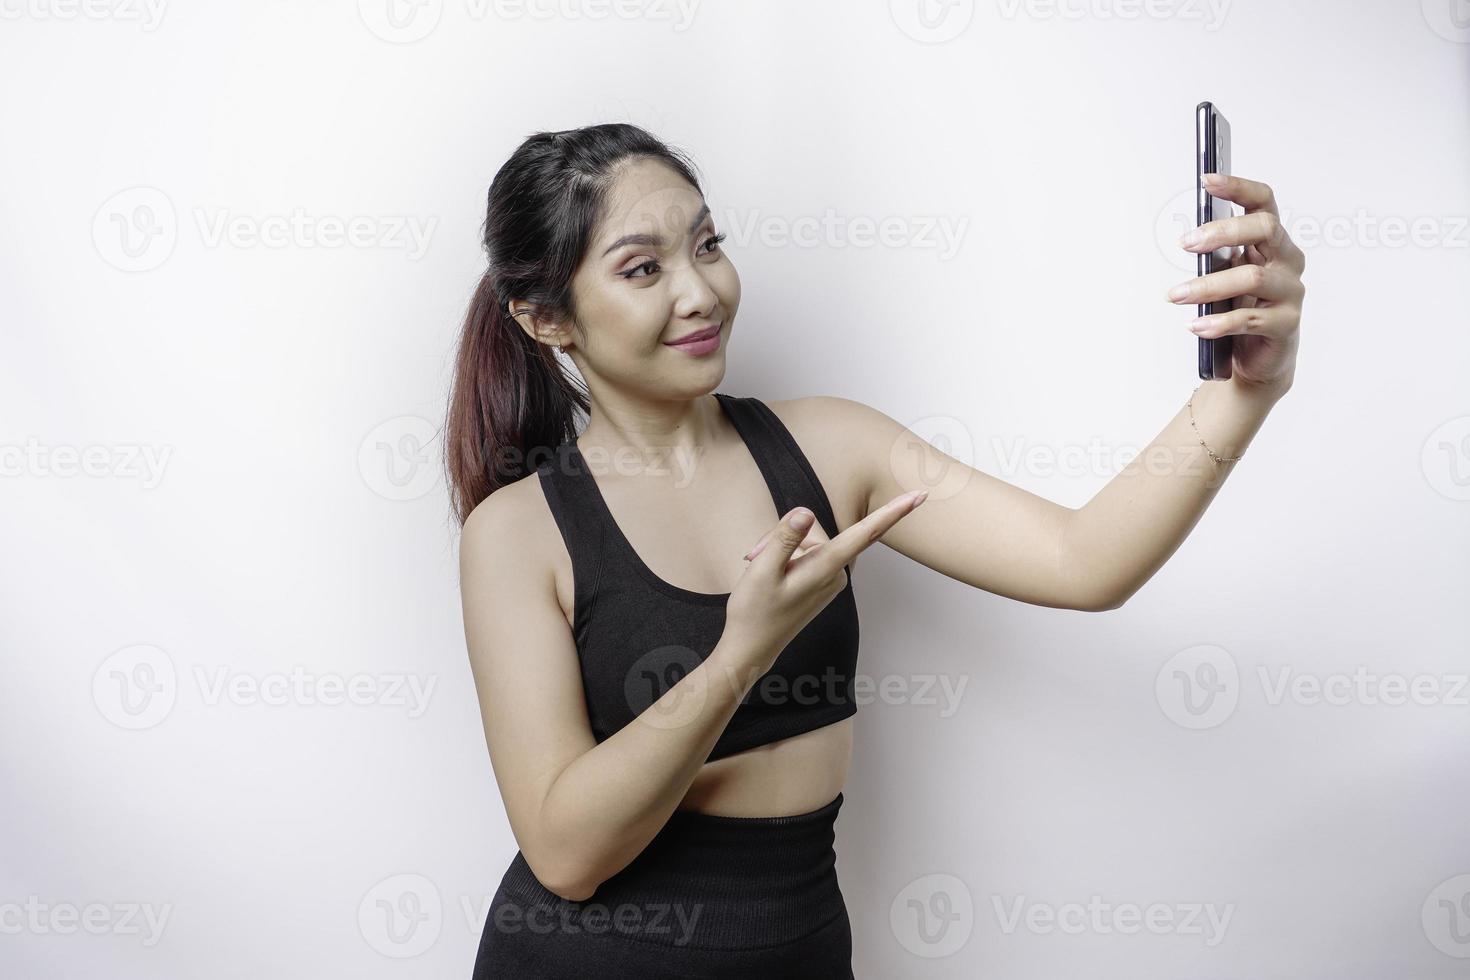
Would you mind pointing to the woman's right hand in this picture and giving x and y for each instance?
(778, 595)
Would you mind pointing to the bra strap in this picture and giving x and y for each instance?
(578, 517)
(781, 459)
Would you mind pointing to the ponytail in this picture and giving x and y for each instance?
(510, 403)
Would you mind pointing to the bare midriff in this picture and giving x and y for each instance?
(794, 775)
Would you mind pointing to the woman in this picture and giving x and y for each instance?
(670, 726)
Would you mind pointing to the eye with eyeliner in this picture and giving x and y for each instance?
(712, 240)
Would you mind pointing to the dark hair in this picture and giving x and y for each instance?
(510, 400)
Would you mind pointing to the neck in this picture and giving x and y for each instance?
(649, 430)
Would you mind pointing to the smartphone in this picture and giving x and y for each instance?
(1212, 155)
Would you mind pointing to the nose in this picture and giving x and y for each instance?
(693, 295)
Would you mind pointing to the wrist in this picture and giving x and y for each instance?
(1267, 392)
(739, 659)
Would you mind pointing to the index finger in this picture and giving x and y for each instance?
(841, 550)
(815, 534)
(1259, 228)
(1252, 195)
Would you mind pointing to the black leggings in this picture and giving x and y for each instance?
(710, 897)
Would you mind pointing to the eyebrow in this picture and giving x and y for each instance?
(656, 239)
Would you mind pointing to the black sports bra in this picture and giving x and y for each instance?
(638, 635)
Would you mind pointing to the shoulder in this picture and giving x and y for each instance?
(844, 440)
(511, 523)
(503, 507)
(842, 417)
(852, 429)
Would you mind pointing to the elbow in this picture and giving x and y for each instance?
(1090, 590)
(1083, 585)
(567, 880)
(562, 860)
(1101, 601)
(576, 891)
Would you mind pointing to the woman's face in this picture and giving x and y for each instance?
(653, 273)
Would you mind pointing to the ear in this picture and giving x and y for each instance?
(537, 327)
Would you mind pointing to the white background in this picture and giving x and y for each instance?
(293, 518)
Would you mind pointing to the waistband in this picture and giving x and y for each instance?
(706, 881)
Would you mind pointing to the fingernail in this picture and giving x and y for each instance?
(919, 499)
(1195, 326)
(1210, 178)
(1179, 292)
(1191, 237)
(802, 519)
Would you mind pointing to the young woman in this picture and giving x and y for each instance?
(659, 611)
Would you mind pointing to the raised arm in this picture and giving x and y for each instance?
(973, 527)
(1126, 532)
(982, 531)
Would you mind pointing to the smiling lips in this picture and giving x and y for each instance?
(698, 335)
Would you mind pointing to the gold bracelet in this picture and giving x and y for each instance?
(1218, 459)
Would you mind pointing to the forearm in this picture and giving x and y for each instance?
(604, 808)
(1125, 533)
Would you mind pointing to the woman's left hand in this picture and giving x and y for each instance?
(1264, 280)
